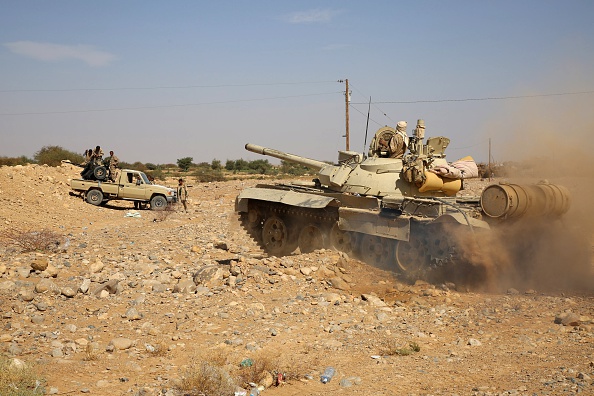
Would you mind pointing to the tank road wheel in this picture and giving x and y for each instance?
(158, 202)
(100, 173)
(376, 250)
(275, 237)
(344, 241)
(95, 197)
(410, 257)
(310, 239)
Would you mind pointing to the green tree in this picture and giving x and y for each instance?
(216, 164)
(150, 166)
(261, 166)
(230, 165)
(185, 163)
(53, 156)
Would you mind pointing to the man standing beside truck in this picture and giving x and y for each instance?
(113, 164)
(182, 193)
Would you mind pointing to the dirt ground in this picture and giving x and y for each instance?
(129, 301)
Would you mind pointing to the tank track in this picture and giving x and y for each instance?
(296, 218)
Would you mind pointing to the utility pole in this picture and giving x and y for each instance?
(347, 99)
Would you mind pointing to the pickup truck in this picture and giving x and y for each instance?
(130, 185)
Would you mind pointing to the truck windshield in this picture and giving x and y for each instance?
(144, 178)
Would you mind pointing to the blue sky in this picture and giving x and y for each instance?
(157, 81)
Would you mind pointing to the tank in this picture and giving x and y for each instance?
(399, 213)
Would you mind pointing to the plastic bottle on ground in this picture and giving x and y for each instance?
(327, 375)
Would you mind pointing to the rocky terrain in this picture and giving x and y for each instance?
(127, 302)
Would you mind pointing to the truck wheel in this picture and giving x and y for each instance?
(95, 197)
(158, 203)
(100, 173)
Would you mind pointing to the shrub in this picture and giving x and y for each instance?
(53, 156)
(19, 379)
(12, 161)
(208, 175)
(32, 240)
(206, 379)
(391, 348)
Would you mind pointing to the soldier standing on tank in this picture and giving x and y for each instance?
(113, 165)
(182, 193)
(399, 141)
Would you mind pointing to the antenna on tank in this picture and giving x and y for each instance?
(366, 128)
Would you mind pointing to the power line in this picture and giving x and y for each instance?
(166, 106)
(478, 99)
(365, 115)
(163, 87)
(380, 110)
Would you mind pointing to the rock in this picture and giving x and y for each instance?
(208, 274)
(221, 245)
(339, 283)
(14, 349)
(84, 287)
(37, 319)
(23, 272)
(68, 292)
(133, 314)
(40, 264)
(47, 286)
(18, 308)
(112, 287)
(26, 295)
(185, 286)
(512, 291)
(265, 379)
(332, 297)
(50, 271)
(96, 267)
(7, 287)
(305, 271)
(159, 287)
(121, 343)
(373, 300)
(568, 319)
(57, 353)
(474, 342)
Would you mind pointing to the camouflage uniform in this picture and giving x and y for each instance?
(182, 193)
(113, 164)
(399, 141)
(97, 155)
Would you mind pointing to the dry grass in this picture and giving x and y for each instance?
(218, 371)
(31, 240)
(391, 348)
(19, 380)
(91, 353)
(203, 378)
(291, 366)
(260, 363)
(160, 348)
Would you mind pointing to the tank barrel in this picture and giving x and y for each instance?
(310, 163)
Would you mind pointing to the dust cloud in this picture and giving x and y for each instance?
(553, 143)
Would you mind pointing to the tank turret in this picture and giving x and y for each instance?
(396, 207)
